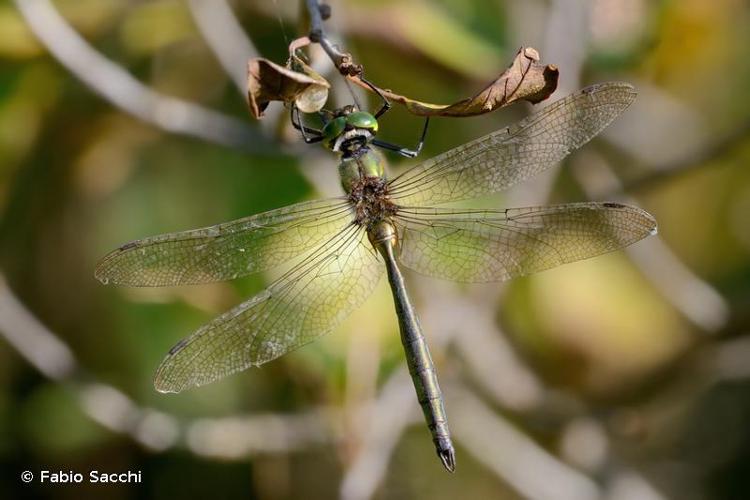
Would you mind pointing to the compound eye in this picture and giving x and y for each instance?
(333, 130)
(362, 119)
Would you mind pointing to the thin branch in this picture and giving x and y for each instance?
(225, 37)
(225, 438)
(43, 350)
(121, 89)
(696, 299)
(468, 319)
(370, 465)
(247, 436)
(719, 149)
(509, 453)
(316, 20)
(317, 33)
(227, 40)
(627, 485)
(567, 39)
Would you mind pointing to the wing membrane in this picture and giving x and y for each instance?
(304, 304)
(225, 251)
(484, 245)
(505, 157)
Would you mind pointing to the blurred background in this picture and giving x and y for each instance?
(624, 377)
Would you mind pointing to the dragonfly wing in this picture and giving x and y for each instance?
(507, 156)
(484, 245)
(225, 251)
(307, 302)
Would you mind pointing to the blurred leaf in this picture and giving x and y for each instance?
(525, 79)
(30, 97)
(18, 40)
(441, 36)
(92, 17)
(297, 82)
(596, 324)
(153, 25)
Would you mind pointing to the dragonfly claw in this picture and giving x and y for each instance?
(448, 457)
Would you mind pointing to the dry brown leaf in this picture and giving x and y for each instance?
(297, 82)
(525, 79)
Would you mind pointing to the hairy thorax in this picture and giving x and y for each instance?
(362, 174)
(369, 197)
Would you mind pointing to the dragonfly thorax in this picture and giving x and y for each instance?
(370, 200)
(363, 179)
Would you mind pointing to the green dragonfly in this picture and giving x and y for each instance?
(345, 244)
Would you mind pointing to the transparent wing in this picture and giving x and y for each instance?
(505, 157)
(308, 301)
(225, 251)
(484, 245)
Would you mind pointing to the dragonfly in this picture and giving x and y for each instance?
(344, 245)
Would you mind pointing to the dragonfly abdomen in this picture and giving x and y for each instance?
(429, 395)
(418, 359)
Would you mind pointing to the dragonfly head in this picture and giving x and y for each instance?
(350, 130)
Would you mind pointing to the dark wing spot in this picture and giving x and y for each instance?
(178, 346)
(128, 246)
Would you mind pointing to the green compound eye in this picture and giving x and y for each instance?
(362, 119)
(332, 130)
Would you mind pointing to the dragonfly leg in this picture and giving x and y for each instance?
(317, 134)
(408, 153)
(386, 103)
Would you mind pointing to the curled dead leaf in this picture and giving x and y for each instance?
(525, 79)
(296, 82)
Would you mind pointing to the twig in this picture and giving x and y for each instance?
(31, 339)
(317, 33)
(316, 20)
(693, 297)
(121, 89)
(467, 318)
(241, 437)
(510, 454)
(720, 148)
(227, 40)
(226, 438)
(567, 40)
(369, 466)
(627, 485)
(225, 37)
